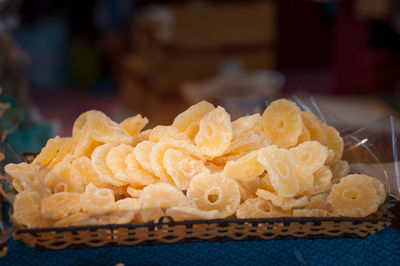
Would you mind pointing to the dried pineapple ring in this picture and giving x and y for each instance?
(222, 160)
(72, 176)
(188, 121)
(85, 144)
(247, 135)
(281, 170)
(101, 128)
(334, 142)
(99, 163)
(97, 201)
(157, 156)
(215, 133)
(85, 168)
(67, 221)
(142, 136)
(354, 196)
(310, 155)
(27, 210)
(134, 124)
(142, 153)
(256, 208)
(115, 160)
(248, 189)
(60, 205)
(322, 180)
(380, 189)
(182, 167)
(165, 133)
(64, 151)
(282, 123)
(305, 179)
(126, 211)
(312, 213)
(49, 151)
(246, 168)
(315, 127)
(134, 192)
(284, 203)
(158, 197)
(339, 169)
(135, 174)
(191, 213)
(27, 178)
(304, 136)
(319, 202)
(214, 192)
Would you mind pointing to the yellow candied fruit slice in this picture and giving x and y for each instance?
(157, 156)
(134, 124)
(354, 196)
(142, 136)
(165, 133)
(115, 160)
(310, 155)
(380, 189)
(257, 208)
(85, 168)
(26, 209)
(69, 220)
(99, 163)
(25, 177)
(339, 169)
(126, 211)
(188, 121)
(334, 142)
(136, 176)
(304, 136)
(69, 174)
(246, 168)
(222, 160)
(305, 179)
(248, 189)
(319, 202)
(101, 128)
(191, 213)
(60, 205)
(134, 192)
(64, 152)
(284, 203)
(156, 198)
(215, 133)
(214, 192)
(97, 201)
(142, 153)
(281, 169)
(322, 180)
(182, 167)
(49, 151)
(315, 127)
(282, 123)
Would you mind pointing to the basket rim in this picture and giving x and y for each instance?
(171, 222)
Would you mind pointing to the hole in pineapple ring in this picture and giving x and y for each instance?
(60, 187)
(351, 193)
(188, 167)
(209, 131)
(282, 169)
(280, 125)
(213, 195)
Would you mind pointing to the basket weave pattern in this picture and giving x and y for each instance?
(191, 231)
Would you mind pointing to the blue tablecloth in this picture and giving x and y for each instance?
(383, 248)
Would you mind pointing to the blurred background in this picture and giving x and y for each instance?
(61, 58)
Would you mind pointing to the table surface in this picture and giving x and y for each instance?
(383, 248)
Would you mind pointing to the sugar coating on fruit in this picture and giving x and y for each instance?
(246, 168)
(97, 201)
(281, 168)
(191, 213)
(310, 155)
(134, 124)
(282, 123)
(284, 203)
(60, 205)
(354, 196)
(188, 121)
(215, 133)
